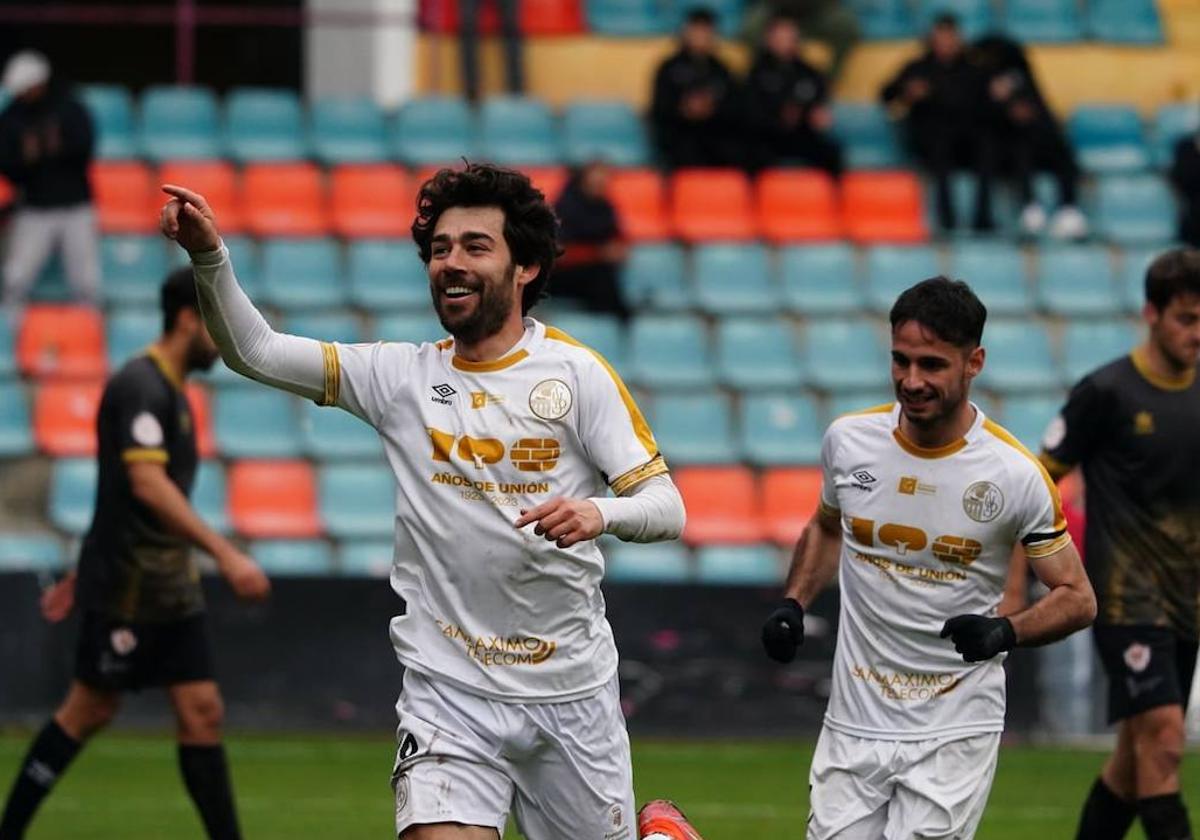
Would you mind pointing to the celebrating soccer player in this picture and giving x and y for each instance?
(922, 505)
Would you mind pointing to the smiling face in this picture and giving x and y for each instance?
(1176, 330)
(931, 376)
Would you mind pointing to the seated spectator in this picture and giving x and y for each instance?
(694, 109)
(787, 103)
(592, 247)
(1185, 175)
(1030, 138)
(828, 21)
(943, 94)
(468, 45)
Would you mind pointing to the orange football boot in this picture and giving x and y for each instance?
(662, 817)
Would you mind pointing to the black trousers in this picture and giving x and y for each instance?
(802, 145)
(943, 150)
(1039, 146)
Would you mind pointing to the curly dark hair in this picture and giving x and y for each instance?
(946, 307)
(530, 226)
(1175, 272)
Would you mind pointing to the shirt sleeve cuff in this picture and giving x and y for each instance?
(210, 259)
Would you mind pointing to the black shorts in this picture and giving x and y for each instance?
(115, 655)
(1147, 667)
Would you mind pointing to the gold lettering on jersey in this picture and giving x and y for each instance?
(482, 399)
(910, 485)
(902, 686)
(535, 454)
(480, 451)
(1143, 423)
(500, 650)
(863, 531)
(903, 538)
(961, 550)
(443, 442)
(526, 454)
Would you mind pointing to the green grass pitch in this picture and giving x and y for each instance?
(312, 786)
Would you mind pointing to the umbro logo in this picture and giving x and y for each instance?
(443, 394)
(862, 480)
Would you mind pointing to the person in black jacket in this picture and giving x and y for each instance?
(787, 100)
(944, 97)
(46, 141)
(1185, 175)
(694, 109)
(592, 246)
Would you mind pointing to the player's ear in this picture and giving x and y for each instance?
(975, 360)
(526, 274)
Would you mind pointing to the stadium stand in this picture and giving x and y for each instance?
(790, 498)
(722, 503)
(284, 199)
(741, 565)
(370, 201)
(179, 123)
(273, 499)
(126, 197)
(61, 341)
(711, 204)
(797, 206)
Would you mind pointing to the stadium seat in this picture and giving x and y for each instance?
(8, 349)
(73, 495)
(608, 131)
(1076, 280)
(1018, 357)
(61, 341)
(111, 108)
(669, 351)
(331, 325)
(627, 18)
(273, 499)
(1043, 21)
(347, 130)
(201, 407)
(209, 495)
(1108, 139)
(1132, 279)
(16, 427)
(1124, 21)
(883, 207)
(653, 277)
(755, 353)
(844, 355)
(126, 199)
(445, 17)
(694, 428)
(722, 503)
(284, 199)
(1172, 123)
(551, 17)
(974, 16)
(264, 124)
(64, 417)
(365, 558)
(712, 204)
(1088, 344)
(179, 123)
(246, 259)
(734, 279)
(370, 200)
(599, 332)
(790, 497)
(433, 130)
(293, 558)
(882, 20)
(413, 327)
(1026, 417)
(867, 135)
(386, 274)
(797, 205)
(639, 197)
(213, 179)
(647, 563)
(890, 270)
(357, 500)
(133, 267)
(549, 179)
(30, 552)
(1133, 209)
(302, 274)
(996, 271)
(780, 429)
(820, 279)
(516, 131)
(742, 565)
(331, 434)
(852, 402)
(256, 422)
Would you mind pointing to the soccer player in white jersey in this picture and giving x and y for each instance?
(504, 439)
(922, 505)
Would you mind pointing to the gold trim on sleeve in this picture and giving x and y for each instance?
(622, 484)
(333, 374)
(1055, 467)
(140, 455)
(1060, 519)
(1039, 550)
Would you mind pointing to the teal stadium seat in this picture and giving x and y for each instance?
(357, 500)
(302, 273)
(647, 563)
(293, 558)
(365, 558)
(1124, 21)
(339, 325)
(1108, 139)
(331, 434)
(996, 271)
(694, 428)
(844, 355)
(1172, 123)
(1019, 357)
(208, 496)
(111, 108)
(731, 279)
(654, 277)
(670, 351)
(890, 269)
(1132, 279)
(602, 333)
(518, 131)
(740, 565)
(433, 130)
(884, 20)
(386, 274)
(130, 331)
(756, 353)
(867, 135)
(820, 279)
(1132, 209)
(1088, 344)
(8, 349)
(1076, 280)
(412, 327)
(16, 429)
(72, 494)
(179, 122)
(627, 18)
(779, 429)
(264, 124)
(133, 268)
(1026, 417)
(850, 402)
(1043, 21)
(256, 422)
(974, 16)
(348, 130)
(38, 552)
(608, 131)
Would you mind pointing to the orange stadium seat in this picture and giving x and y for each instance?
(790, 496)
(126, 197)
(640, 200)
(371, 201)
(55, 340)
(284, 199)
(722, 505)
(213, 179)
(883, 207)
(64, 417)
(273, 499)
(712, 204)
(797, 205)
(552, 17)
(6, 193)
(549, 179)
(197, 396)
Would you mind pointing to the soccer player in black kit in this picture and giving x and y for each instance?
(1133, 426)
(142, 620)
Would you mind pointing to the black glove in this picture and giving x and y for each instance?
(978, 637)
(784, 630)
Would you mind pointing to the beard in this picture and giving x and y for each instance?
(488, 316)
(938, 407)
(200, 356)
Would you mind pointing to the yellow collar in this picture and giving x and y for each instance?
(1166, 383)
(164, 366)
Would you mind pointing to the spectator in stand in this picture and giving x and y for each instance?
(694, 110)
(943, 94)
(468, 46)
(788, 103)
(1185, 175)
(592, 246)
(827, 21)
(1030, 138)
(46, 140)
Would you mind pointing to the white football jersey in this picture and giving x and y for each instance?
(927, 534)
(499, 611)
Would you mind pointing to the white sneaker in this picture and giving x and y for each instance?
(1068, 223)
(1033, 219)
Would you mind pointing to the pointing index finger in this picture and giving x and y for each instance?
(534, 514)
(184, 194)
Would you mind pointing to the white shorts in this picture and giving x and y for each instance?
(863, 789)
(563, 769)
